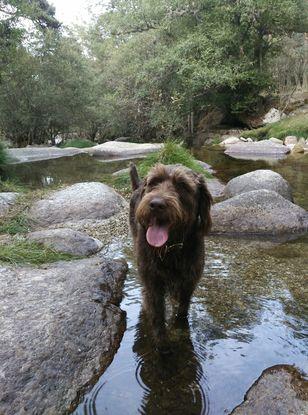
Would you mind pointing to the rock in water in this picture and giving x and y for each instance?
(257, 149)
(82, 201)
(261, 213)
(259, 179)
(67, 241)
(31, 154)
(280, 390)
(122, 150)
(60, 325)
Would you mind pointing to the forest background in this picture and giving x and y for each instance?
(147, 69)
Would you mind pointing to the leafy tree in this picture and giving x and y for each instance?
(166, 62)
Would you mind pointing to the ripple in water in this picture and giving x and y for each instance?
(247, 314)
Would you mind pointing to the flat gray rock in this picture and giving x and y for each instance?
(259, 179)
(122, 150)
(257, 149)
(7, 200)
(30, 154)
(67, 241)
(60, 326)
(280, 390)
(259, 212)
(81, 201)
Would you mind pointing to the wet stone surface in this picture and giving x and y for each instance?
(279, 390)
(60, 326)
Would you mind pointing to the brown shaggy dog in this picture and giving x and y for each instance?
(169, 216)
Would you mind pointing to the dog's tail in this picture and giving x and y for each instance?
(134, 177)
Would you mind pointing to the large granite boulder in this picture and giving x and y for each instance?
(122, 150)
(67, 241)
(259, 179)
(30, 154)
(259, 212)
(280, 390)
(7, 200)
(81, 201)
(257, 149)
(60, 326)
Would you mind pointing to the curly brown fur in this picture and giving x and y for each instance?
(174, 201)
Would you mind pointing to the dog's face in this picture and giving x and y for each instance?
(172, 198)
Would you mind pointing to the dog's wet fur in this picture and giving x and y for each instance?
(176, 199)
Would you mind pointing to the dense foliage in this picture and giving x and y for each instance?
(144, 68)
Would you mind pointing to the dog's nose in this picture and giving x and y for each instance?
(157, 203)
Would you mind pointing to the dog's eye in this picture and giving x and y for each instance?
(154, 182)
(183, 185)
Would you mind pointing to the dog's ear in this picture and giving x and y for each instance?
(204, 205)
(134, 177)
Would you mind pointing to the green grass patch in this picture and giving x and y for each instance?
(23, 252)
(297, 125)
(11, 186)
(16, 221)
(14, 225)
(171, 153)
(78, 143)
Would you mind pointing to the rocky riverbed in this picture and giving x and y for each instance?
(61, 323)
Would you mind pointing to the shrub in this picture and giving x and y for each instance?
(171, 153)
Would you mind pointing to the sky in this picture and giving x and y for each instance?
(72, 11)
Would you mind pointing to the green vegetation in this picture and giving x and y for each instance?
(3, 156)
(21, 252)
(10, 185)
(149, 69)
(15, 224)
(16, 221)
(78, 143)
(297, 126)
(171, 153)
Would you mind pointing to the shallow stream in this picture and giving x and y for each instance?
(248, 313)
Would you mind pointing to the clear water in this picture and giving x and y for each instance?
(249, 312)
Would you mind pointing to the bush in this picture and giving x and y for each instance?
(78, 143)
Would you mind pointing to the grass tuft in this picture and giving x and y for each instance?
(10, 185)
(22, 252)
(171, 153)
(14, 225)
(78, 143)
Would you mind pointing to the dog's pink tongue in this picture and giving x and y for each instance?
(157, 235)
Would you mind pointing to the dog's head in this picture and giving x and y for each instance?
(173, 198)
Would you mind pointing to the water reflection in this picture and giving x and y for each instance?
(249, 312)
(64, 170)
(171, 382)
